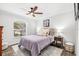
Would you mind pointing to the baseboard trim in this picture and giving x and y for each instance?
(14, 44)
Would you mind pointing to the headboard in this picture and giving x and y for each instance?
(53, 31)
(48, 31)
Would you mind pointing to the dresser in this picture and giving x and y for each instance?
(1, 28)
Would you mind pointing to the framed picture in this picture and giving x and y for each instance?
(46, 23)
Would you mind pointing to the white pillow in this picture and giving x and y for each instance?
(43, 32)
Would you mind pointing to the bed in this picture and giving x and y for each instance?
(35, 43)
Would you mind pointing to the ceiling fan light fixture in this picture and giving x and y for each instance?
(33, 11)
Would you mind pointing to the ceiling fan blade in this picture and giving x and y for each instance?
(38, 13)
(32, 9)
(29, 12)
(35, 8)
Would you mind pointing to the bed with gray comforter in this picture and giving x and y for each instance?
(35, 43)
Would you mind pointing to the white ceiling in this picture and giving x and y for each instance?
(48, 9)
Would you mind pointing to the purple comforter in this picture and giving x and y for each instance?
(35, 43)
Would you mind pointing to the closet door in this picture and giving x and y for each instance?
(1, 27)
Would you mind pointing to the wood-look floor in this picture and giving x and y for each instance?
(9, 52)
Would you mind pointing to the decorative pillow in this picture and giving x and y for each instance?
(44, 32)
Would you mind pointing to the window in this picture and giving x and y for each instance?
(19, 28)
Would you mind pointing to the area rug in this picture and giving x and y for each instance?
(8, 51)
(48, 51)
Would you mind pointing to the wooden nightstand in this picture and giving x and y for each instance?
(58, 41)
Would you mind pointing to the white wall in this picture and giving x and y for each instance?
(77, 38)
(7, 20)
(66, 22)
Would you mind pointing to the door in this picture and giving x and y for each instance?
(1, 40)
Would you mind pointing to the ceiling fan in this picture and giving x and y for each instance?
(34, 11)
